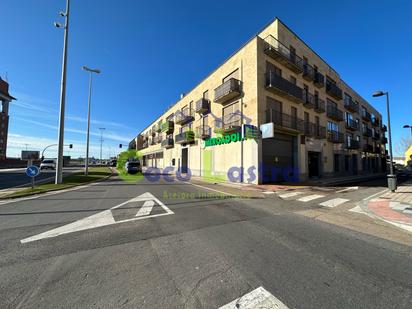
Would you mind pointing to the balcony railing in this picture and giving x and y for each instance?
(145, 144)
(308, 72)
(154, 129)
(351, 105)
(334, 91)
(167, 143)
(367, 132)
(284, 122)
(319, 80)
(203, 131)
(375, 122)
(352, 125)
(185, 137)
(202, 106)
(278, 51)
(376, 135)
(184, 116)
(314, 130)
(352, 143)
(283, 87)
(308, 99)
(377, 150)
(159, 138)
(366, 115)
(384, 128)
(384, 140)
(228, 90)
(159, 127)
(334, 113)
(168, 127)
(367, 148)
(335, 137)
(319, 105)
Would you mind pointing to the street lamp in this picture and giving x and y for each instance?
(91, 71)
(59, 167)
(101, 142)
(391, 176)
(406, 126)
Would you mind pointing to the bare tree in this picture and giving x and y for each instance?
(404, 143)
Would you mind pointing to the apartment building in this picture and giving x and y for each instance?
(5, 99)
(313, 124)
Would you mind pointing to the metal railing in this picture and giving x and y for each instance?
(203, 131)
(184, 116)
(351, 105)
(352, 143)
(167, 142)
(279, 84)
(319, 80)
(308, 72)
(308, 99)
(335, 136)
(333, 112)
(352, 124)
(319, 105)
(284, 120)
(334, 91)
(202, 106)
(367, 132)
(228, 90)
(279, 51)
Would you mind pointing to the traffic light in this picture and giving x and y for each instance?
(71, 146)
(120, 145)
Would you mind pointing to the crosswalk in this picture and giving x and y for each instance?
(305, 197)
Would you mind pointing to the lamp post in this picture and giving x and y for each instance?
(391, 177)
(101, 142)
(59, 167)
(407, 126)
(91, 71)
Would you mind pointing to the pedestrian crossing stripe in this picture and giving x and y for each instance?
(106, 217)
(334, 202)
(310, 197)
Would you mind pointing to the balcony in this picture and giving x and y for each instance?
(168, 143)
(367, 148)
(154, 129)
(384, 140)
(159, 139)
(159, 127)
(145, 144)
(308, 99)
(308, 72)
(185, 137)
(366, 115)
(335, 137)
(203, 131)
(367, 132)
(351, 106)
(282, 54)
(168, 127)
(375, 122)
(352, 125)
(202, 106)
(376, 135)
(184, 116)
(285, 123)
(319, 80)
(384, 128)
(231, 123)
(334, 113)
(283, 87)
(377, 150)
(352, 144)
(228, 90)
(334, 91)
(314, 130)
(319, 105)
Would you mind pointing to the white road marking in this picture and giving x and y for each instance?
(258, 298)
(291, 194)
(348, 189)
(268, 192)
(357, 209)
(145, 209)
(398, 206)
(103, 218)
(310, 198)
(373, 195)
(334, 202)
(196, 185)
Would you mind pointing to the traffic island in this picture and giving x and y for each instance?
(69, 181)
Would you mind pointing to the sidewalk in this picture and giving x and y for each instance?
(392, 207)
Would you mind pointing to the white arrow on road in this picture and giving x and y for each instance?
(105, 218)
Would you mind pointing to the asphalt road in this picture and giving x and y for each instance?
(197, 251)
(17, 177)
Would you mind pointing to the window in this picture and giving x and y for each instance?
(336, 159)
(231, 114)
(333, 126)
(234, 74)
(270, 67)
(315, 69)
(348, 98)
(206, 95)
(205, 120)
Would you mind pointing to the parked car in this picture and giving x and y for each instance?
(133, 167)
(113, 163)
(48, 164)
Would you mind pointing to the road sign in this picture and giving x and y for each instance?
(30, 155)
(32, 171)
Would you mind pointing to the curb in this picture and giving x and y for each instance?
(55, 190)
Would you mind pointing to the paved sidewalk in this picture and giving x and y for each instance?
(392, 207)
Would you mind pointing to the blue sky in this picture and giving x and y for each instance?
(151, 51)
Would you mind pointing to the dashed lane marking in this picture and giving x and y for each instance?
(291, 194)
(348, 189)
(334, 202)
(258, 298)
(310, 198)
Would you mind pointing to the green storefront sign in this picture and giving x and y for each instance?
(227, 139)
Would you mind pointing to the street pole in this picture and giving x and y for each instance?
(101, 142)
(389, 134)
(59, 167)
(86, 165)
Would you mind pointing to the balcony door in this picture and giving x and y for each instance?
(184, 163)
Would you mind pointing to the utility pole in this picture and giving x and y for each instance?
(101, 142)
(59, 167)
